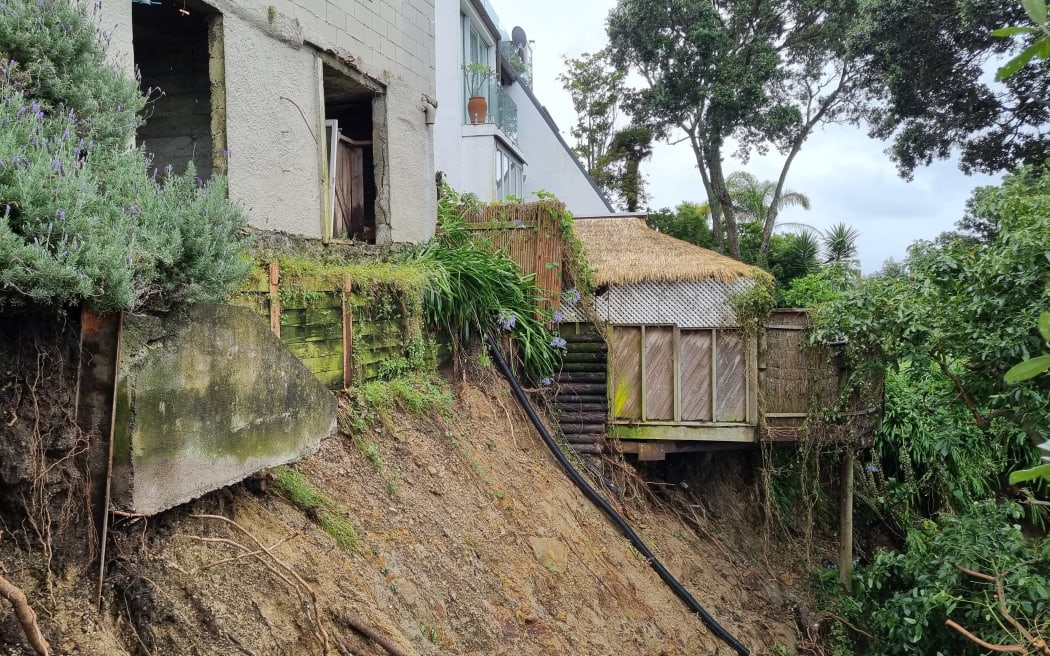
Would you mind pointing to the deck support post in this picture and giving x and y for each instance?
(846, 520)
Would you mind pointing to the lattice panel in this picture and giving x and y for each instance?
(704, 304)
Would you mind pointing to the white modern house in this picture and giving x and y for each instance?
(513, 147)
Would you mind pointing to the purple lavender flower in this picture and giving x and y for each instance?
(557, 317)
(558, 342)
(571, 296)
(871, 468)
(61, 214)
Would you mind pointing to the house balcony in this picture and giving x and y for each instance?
(502, 113)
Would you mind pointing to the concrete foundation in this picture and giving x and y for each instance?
(205, 397)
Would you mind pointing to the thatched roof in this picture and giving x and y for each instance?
(623, 250)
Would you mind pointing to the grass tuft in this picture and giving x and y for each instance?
(292, 485)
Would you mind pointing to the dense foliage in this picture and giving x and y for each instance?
(474, 289)
(764, 74)
(944, 326)
(902, 600)
(83, 219)
(924, 87)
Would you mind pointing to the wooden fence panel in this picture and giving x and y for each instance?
(626, 360)
(530, 235)
(659, 373)
(731, 383)
(696, 374)
(340, 335)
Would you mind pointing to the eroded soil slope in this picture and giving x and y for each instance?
(469, 540)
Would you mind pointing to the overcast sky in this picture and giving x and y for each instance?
(846, 175)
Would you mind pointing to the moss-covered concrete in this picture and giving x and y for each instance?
(205, 397)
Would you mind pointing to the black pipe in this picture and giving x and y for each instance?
(610, 512)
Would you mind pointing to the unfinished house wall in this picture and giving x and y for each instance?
(391, 42)
(172, 54)
(273, 122)
(257, 90)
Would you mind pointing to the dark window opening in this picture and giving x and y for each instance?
(351, 161)
(173, 54)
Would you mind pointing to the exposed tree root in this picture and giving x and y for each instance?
(25, 614)
(374, 636)
(278, 568)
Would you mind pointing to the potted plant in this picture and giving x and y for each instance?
(477, 75)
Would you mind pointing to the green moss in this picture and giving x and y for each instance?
(339, 529)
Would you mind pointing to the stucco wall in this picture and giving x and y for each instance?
(114, 22)
(467, 158)
(273, 95)
(273, 118)
(551, 167)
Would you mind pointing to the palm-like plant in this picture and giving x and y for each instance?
(840, 243)
(755, 200)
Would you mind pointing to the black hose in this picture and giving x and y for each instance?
(593, 495)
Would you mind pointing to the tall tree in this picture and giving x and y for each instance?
(925, 86)
(622, 165)
(764, 72)
(596, 89)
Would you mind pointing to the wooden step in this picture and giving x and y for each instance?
(590, 438)
(581, 377)
(583, 366)
(582, 389)
(581, 417)
(582, 429)
(582, 407)
(584, 356)
(570, 399)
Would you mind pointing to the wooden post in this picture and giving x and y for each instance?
(846, 520)
(275, 298)
(348, 334)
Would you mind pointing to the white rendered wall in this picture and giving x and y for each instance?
(465, 154)
(551, 166)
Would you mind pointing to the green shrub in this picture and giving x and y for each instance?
(83, 221)
(904, 599)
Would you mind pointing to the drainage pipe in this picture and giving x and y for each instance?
(589, 492)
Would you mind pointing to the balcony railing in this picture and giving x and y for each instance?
(502, 110)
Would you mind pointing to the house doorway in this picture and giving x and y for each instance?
(348, 109)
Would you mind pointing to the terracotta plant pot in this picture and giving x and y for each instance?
(477, 109)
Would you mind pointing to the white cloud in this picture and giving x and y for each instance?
(846, 175)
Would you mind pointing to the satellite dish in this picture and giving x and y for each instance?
(517, 35)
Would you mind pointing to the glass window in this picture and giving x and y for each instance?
(509, 179)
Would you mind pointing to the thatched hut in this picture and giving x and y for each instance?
(678, 367)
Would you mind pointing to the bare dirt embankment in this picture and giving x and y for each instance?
(470, 540)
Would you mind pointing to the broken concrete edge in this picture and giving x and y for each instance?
(206, 397)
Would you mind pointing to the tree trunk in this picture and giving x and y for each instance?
(717, 225)
(718, 185)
